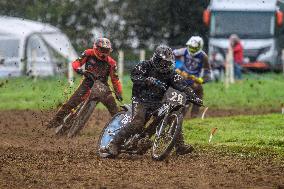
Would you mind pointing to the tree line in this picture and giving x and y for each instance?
(128, 23)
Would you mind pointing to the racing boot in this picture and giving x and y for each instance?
(198, 89)
(181, 147)
(144, 144)
(114, 146)
(184, 149)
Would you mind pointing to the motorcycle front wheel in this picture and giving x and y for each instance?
(82, 118)
(166, 136)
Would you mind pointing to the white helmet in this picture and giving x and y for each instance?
(195, 45)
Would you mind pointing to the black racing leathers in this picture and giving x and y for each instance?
(147, 96)
(148, 93)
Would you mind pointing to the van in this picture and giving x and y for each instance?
(254, 21)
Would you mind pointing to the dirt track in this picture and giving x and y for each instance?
(31, 156)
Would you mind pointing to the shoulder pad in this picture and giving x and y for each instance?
(179, 52)
(111, 61)
(89, 52)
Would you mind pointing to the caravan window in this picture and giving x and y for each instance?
(38, 57)
(61, 44)
(60, 49)
(9, 47)
(37, 48)
(244, 23)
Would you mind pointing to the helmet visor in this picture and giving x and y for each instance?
(165, 65)
(193, 50)
(104, 50)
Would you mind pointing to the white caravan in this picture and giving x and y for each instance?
(30, 47)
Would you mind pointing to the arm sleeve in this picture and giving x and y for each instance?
(81, 60)
(139, 73)
(114, 78)
(179, 52)
(179, 65)
(206, 69)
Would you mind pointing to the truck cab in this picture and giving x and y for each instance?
(254, 21)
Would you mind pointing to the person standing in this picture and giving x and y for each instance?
(238, 56)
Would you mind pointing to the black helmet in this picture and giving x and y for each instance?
(163, 58)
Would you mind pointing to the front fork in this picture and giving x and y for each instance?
(161, 128)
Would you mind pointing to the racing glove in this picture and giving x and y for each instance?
(119, 97)
(195, 100)
(192, 97)
(80, 71)
(200, 80)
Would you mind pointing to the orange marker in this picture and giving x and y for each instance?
(213, 131)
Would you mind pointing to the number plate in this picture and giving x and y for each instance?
(126, 119)
(175, 97)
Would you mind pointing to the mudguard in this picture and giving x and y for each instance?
(119, 120)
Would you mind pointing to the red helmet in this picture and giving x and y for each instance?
(102, 47)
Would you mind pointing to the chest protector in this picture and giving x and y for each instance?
(98, 67)
(193, 64)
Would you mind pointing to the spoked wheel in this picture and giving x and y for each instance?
(75, 121)
(82, 117)
(166, 135)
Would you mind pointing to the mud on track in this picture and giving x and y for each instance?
(30, 156)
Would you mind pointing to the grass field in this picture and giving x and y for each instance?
(263, 134)
(255, 91)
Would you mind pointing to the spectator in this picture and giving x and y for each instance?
(238, 55)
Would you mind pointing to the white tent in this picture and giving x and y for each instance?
(30, 47)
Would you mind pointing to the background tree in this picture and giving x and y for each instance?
(156, 21)
(76, 18)
(128, 23)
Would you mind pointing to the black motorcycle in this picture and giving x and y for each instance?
(163, 128)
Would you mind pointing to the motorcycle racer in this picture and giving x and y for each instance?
(98, 62)
(148, 79)
(194, 61)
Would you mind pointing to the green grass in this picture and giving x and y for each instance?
(26, 93)
(259, 134)
(256, 91)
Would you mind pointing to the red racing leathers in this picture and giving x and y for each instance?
(102, 69)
